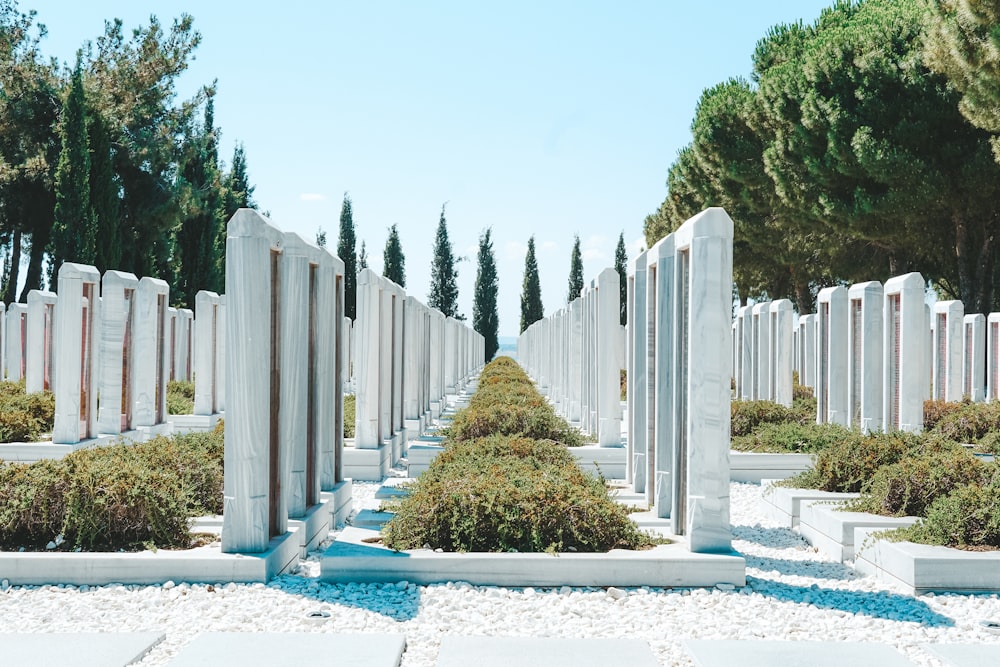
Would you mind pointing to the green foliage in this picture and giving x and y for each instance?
(394, 262)
(575, 271)
(790, 437)
(180, 397)
(444, 274)
(118, 497)
(74, 235)
(24, 417)
(909, 486)
(621, 266)
(346, 240)
(969, 422)
(849, 465)
(350, 414)
(485, 319)
(935, 410)
(747, 416)
(104, 187)
(967, 518)
(531, 290)
(505, 493)
(362, 257)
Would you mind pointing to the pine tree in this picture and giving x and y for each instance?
(345, 250)
(393, 260)
(74, 234)
(531, 291)
(362, 257)
(104, 196)
(485, 319)
(575, 270)
(321, 237)
(239, 192)
(444, 275)
(621, 260)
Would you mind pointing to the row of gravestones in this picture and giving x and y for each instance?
(289, 351)
(871, 353)
(107, 346)
(576, 355)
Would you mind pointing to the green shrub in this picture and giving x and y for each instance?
(970, 422)
(800, 391)
(32, 503)
(746, 416)
(849, 464)
(24, 417)
(989, 444)
(18, 426)
(790, 437)
(180, 397)
(350, 414)
(968, 517)
(500, 418)
(507, 493)
(909, 486)
(935, 411)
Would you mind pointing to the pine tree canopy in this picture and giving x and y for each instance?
(575, 271)
(393, 266)
(444, 275)
(531, 290)
(485, 319)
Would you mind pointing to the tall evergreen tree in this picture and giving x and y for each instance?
(575, 270)
(75, 230)
(485, 319)
(393, 261)
(621, 260)
(239, 192)
(104, 195)
(362, 257)
(531, 290)
(444, 275)
(345, 250)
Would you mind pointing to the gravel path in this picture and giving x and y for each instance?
(793, 592)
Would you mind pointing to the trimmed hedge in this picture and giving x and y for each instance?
(25, 417)
(127, 497)
(790, 438)
(180, 397)
(505, 482)
(748, 416)
(967, 518)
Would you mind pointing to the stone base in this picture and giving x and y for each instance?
(921, 568)
(201, 565)
(352, 559)
(831, 530)
(29, 452)
(420, 456)
(414, 428)
(609, 461)
(198, 423)
(436, 409)
(784, 505)
(370, 465)
(752, 468)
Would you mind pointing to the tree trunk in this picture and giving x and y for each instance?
(33, 278)
(975, 263)
(15, 268)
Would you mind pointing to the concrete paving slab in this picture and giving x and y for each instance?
(285, 648)
(393, 487)
(544, 652)
(368, 518)
(83, 649)
(736, 653)
(965, 655)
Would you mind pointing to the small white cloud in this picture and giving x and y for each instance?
(592, 254)
(515, 250)
(312, 196)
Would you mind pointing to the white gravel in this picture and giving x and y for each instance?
(793, 592)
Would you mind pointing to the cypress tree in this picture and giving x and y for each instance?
(362, 258)
(485, 319)
(444, 275)
(575, 270)
(74, 234)
(239, 192)
(345, 250)
(321, 237)
(531, 290)
(104, 188)
(393, 261)
(621, 259)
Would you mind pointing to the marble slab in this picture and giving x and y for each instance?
(83, 649)
(543, 651)
(267, 649)
(736, 653)
(965, 655)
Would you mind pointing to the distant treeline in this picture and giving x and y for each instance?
(865, 145)
(100, 164)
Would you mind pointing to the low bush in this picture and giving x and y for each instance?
(935, 411)
(510, 493)
(350, 414)
(909, 486)
(118, 497)
(800, 391)
(24, 417)
(970, 422)
(180, 397)
(790, 438)
(967, 518)
(747, 416)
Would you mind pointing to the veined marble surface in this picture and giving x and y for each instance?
(115, 314)
(152, 354)
(76, 381)
(947, 350)
(912, 341)
(37, 348)
(780, 355)
(865, 402)
(831, 359)
(206, 334)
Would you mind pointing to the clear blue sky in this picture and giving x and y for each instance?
(533, 118)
